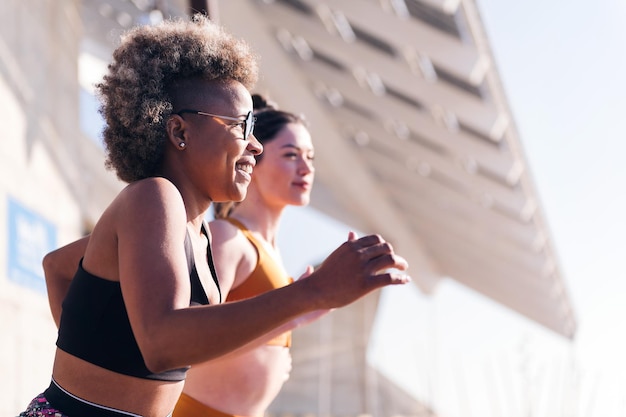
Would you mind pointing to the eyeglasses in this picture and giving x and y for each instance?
(247, 125)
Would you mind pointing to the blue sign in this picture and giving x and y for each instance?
(30, 238)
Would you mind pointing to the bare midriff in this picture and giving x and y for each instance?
(242, 384)
(146, 397)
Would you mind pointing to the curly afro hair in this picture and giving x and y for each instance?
(134, 94)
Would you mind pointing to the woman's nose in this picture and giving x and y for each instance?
(254, 145)
(306, 166)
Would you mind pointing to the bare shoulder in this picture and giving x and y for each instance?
(141, 221)
(228, 241)
(235, 256)
(150, 199)
(150, 190)
(223, 230)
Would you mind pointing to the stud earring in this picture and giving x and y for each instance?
(182, 145)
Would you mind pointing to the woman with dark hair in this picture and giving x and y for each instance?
(245, 382)
(144, 303)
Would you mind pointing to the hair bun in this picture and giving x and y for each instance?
(261, 103)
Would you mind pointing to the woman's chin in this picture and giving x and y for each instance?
(240, 193)
(302, 201)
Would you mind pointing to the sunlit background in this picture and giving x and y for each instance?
(449, 346)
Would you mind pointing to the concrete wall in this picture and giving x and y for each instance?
(46, 180)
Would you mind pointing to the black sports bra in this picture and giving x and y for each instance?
(95, 327)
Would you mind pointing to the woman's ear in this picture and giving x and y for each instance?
(176, 127)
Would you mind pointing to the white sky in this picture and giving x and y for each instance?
(563, 67)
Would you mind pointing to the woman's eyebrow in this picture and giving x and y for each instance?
(291, 145)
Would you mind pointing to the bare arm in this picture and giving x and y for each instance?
(289, 326)
(204, 333)
(149, 223)
(59, 267)
(303, 319)
(235, 260)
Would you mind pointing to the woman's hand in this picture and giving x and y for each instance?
(358, 266)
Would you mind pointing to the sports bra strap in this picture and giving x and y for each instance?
(196, 286)
(209, 255)
(189, 252)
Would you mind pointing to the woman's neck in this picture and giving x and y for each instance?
(260, 219)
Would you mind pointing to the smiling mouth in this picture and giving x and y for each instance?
(247, 168)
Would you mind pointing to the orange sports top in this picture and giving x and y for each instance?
(267, 275)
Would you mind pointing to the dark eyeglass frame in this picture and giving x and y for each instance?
(247, 123)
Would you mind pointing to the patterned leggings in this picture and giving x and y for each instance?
(40, 407)
(76, 407)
